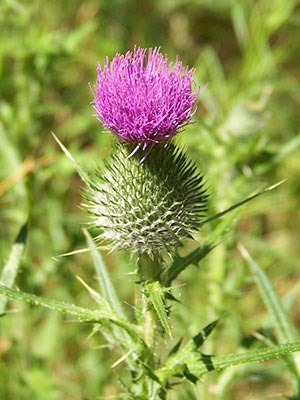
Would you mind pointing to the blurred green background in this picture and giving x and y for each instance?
(245, 136)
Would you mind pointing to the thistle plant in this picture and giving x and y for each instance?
(147, 200)
(150, 196)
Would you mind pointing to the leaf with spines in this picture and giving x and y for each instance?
(216, 236)
(156, 294)
(179, 264)
(190, 363)
(179, 359)
(242, 202)
(200, 338)
(102, 316)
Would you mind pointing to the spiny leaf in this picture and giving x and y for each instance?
(180, 360)
(199, 339)
(175, 349)
(170, 296)
(199, 364)
(203, 335)
(222, 362)
(180, 263)
(104, 316)
(156, 294)
(190, 377)
(11, 268)
(242, 202)
(99, 299)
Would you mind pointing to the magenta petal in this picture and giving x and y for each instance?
(143, 98)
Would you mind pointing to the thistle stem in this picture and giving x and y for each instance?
(149, 322)
(149, 269)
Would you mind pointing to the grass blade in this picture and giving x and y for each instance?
(11, 268)
(283, 326)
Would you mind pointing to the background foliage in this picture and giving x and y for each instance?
(245, 136)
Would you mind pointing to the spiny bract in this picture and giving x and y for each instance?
(147, 207)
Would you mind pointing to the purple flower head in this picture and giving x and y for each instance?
(143, 98)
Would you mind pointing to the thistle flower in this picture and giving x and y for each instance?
(147, 208)
(143, 98)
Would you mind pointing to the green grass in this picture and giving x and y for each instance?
(245, 137)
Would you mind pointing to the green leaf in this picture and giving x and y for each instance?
(197, 341)
(105, 316)
(175, 349)
(103, 277)
(11, 268)
(156, 294)
(179, 360)
(242, 202)
(198, 364)
(180, 263)
(203, 335)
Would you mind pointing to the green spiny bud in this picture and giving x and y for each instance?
(147, 207)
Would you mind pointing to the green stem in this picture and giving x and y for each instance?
(152, 317)
(149, 269)
(149, 322)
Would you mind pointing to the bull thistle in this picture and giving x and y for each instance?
(150, 196)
